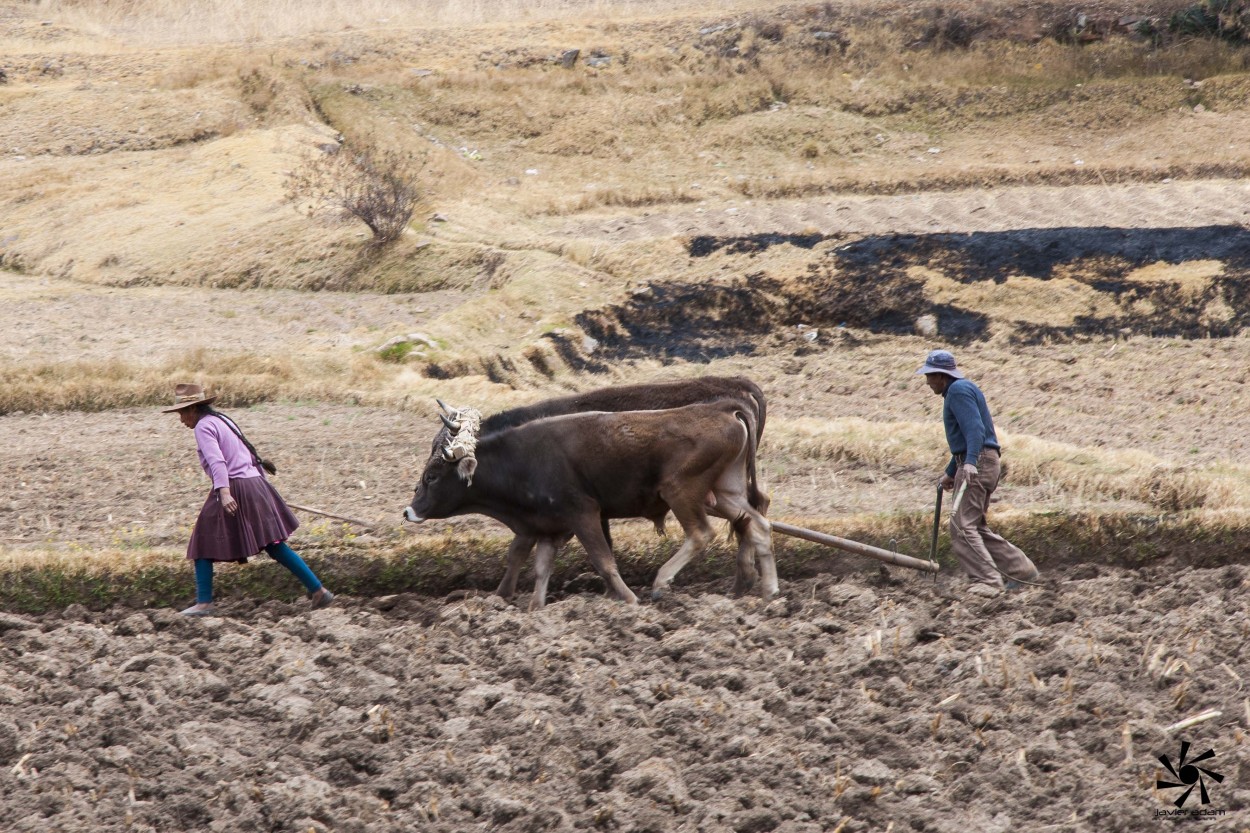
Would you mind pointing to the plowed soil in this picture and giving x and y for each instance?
(855, 703)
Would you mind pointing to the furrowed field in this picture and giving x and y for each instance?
(809, 195)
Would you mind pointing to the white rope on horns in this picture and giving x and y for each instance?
(464, 443)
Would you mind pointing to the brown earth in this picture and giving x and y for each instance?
(851, 703)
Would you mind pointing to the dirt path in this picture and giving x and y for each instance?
(1161, 205)
(53, 319)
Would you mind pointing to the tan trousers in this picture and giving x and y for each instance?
(978, 548)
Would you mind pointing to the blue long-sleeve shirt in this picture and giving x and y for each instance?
(969, 428)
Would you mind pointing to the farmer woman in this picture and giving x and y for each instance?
(244, 514)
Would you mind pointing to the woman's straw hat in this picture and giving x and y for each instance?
(186, 395)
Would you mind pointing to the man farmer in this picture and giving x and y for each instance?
(986, 557)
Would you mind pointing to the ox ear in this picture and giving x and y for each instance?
(466, 468)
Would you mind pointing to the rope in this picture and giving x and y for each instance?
(464, 443)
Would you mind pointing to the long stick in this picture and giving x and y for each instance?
(855, 547)
(356, 521)
(937, 524)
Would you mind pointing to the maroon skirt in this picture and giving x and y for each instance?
(262, 519)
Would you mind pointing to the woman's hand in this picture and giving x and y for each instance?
(227, 500)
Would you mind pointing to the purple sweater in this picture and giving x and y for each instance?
(223, 455)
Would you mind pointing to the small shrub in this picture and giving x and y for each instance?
(956, 30)
(379, 188)
(1225, 19)
(258, 89)
(769, 30)
(395, 353)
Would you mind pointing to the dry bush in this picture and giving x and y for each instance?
(377, 187)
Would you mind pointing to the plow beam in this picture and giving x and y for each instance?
(887, 556)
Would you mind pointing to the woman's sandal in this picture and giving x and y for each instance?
(321, 598)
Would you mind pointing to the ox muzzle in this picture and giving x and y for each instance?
(410, 515)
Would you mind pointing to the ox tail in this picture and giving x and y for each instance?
(761, 410)
(758, 500)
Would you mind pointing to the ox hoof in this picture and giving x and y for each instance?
(657, 593)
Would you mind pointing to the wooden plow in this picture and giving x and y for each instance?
(888, 556)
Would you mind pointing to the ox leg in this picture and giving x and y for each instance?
(698, 534)
(590, 533)
(762, 533)
(544, 562)
(744, 572)
(518, 552)
(755, 545)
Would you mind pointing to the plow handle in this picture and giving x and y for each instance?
(937, 524)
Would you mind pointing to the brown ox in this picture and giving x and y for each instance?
(641, 397)
(557, 476)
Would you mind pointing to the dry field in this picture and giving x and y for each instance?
(811, 195)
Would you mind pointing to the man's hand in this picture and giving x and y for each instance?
(969, 470)
(227, 500)
(947, 482)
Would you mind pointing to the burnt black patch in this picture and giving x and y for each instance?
(872, 283)
(1036, 253)
(693, 322)
(704, 245)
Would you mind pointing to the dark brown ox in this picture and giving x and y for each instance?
(641, 397)
(653, 396)
(559, 475)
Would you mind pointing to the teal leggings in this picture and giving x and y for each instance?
(279, 552)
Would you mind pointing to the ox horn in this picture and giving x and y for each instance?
(448, 454)
(453, 427)
(443, 405)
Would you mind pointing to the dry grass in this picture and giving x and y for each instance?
(1076, 473)
(247, 378)
(618, 196)
(161, 22)
(242, 379)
